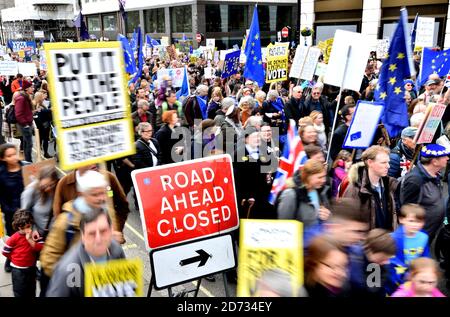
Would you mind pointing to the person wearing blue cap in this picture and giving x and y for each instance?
(423, 186)
(409, 87)
(402, 154)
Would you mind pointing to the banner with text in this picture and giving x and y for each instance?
(277, 62)
(90, 105)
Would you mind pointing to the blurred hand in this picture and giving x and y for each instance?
(324, 213)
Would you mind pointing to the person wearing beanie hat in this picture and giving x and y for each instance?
(423, 186)
(65, 232)
(409, 87)
(403, 153)
(24, 115)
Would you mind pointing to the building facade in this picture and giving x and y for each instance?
(52, 17)
(227, 20)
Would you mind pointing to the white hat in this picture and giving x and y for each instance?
(89, 180)
(230, 110)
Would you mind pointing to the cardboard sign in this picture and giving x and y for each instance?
(299, 60)
(39, 34)
(17, 46)
(382, 48)
(425, 32)
(321, 69)
(8, 68)
(364, 125)
(165, 41)
(348, 60)
(115, 278)
(90, 103)
(277, 62)
(432, 120)
(231, 64)
(186, 201)
(2, 227)
(31, 172)
(175, 73)
(27, 69)
(265, 245)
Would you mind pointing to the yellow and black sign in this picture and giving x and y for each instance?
(266, 245)
(2, 227)
(277, 62)
(90, 103)
(115, 278)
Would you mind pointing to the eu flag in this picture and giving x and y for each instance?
(397, 66)
(185, 89)
(140, 54)
(254, 67)
(130, 64)
(434, 62)
(231, 64)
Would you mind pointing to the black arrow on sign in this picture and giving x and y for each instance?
(202, 258)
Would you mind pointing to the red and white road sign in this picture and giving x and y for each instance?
(186, 201)
(285, 32)
(198, 37)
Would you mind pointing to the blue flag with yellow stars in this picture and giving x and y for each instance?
(254, 67)
(434, 62)
(231, 64)
(397, 66)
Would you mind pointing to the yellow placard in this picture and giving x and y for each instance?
(21, 54)
(115, 278)
(326, 47)
(2, 227)
(266, 245)
(90, 103)
(277, 62)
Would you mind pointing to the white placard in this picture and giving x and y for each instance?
(382, 48)
(358, 46)
(310, 63)
(175, 73)
(165, 41)
(209, 72)
(8, 68)
(39, 34)
(321, 69)
(299, 59)
(364, 124)
(27, 69)
(425, 32)
(210, 43)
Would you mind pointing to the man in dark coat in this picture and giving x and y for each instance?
(293, 107)
(341, 131)
(315, 102)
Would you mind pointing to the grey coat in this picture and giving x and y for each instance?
(306, 212)
(42, 211)
(64, 281)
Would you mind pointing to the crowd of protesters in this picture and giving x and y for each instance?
(384, 205)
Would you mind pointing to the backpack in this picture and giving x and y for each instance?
(10, 115)
(297, 200)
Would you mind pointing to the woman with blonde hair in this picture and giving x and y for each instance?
(215, 102)
(317, 118)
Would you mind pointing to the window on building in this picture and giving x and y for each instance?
(132, 21)
(325, 32)
(238, 17)
(284, 17)
(94, 24)
(109, 22)
(181, 19)
(264, 18)
(213, 17)
(155, 21)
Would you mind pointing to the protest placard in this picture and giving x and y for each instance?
(8, 68)
(382, 48)
(90, 103)
(231, 64)
(425, 32)
(310, 63)
(175, 73)
(321, 69)
(277, 62)
(364, 125)
(165, 41)
(27, 69)
(299, 60)
(114, 278)
(348, 60)
(266, 245)
(431, 122)
(2, 227)
(211, 43)
(209, 72)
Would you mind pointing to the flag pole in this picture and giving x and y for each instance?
(339, 101)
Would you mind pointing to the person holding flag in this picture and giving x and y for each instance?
(397, 67)
(254, 66)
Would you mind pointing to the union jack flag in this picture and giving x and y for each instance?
(292, 159)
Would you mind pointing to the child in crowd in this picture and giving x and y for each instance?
(22, 250)
(424, 275)
(340, 167)
(410, 241)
